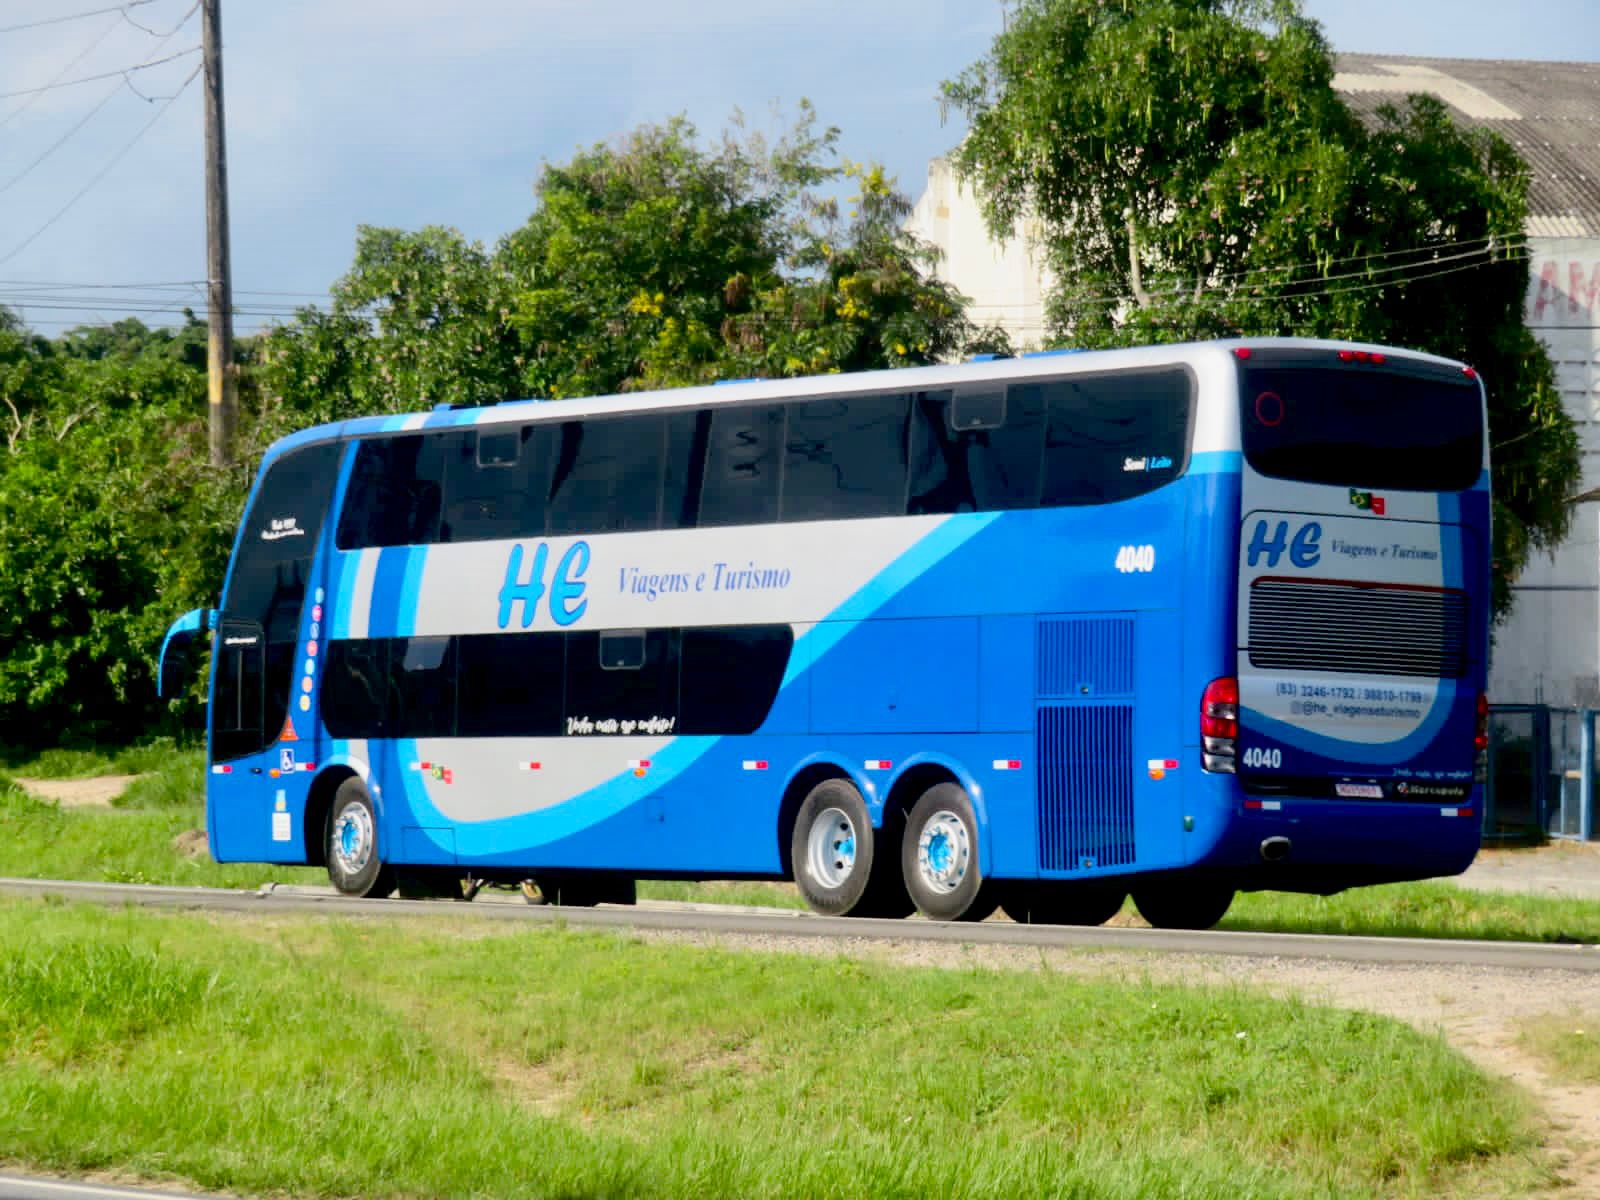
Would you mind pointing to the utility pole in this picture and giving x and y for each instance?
(219, 283)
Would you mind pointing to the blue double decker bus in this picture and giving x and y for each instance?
(1035, 633)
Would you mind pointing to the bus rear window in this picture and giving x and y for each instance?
(1360, 426)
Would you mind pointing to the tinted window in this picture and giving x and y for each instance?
(422, 683)
(846, 457)
(268, 579)
(742, 466)
(396, 493)
(494, 483)
(355, 687)
(731, 677)
(511, 684)
(607, 475)
(236, 708)
(1109, 437)
(1362, 426)
(978, 469)
(639, 699)
(687, 436)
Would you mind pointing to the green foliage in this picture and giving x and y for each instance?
(654, 261)
(1194, 174)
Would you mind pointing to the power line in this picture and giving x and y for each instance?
(77, 16)
(56, 78)
(102, 173)
(125, 72)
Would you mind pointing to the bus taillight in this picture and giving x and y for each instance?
(1219, 725)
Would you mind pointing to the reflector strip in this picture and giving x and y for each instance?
(1455, 812)
(1162, 764)
(222, 770)
(528, 766)
(1264, 805)
(639, 764)
(422, 766)
(755, 764)
(308, 766)
(877, 764)
(1008, 764)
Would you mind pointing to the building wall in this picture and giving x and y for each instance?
(1548, 649)
(1005, 282)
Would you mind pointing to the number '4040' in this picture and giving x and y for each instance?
(1136, 558)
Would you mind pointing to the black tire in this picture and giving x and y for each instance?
(350, 844)
(1041, 903)
(833, 853)
(1187, 905)
(939, 858)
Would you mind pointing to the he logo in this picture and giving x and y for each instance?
(1304, 550)
(1367, 502)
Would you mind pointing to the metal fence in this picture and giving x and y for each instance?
(1543, 774)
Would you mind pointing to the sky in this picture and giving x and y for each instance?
(411, 112)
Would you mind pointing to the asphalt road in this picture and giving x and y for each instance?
(725, 920)
(30, 1187)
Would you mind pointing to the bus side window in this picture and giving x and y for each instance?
(939, 479)
(607, 475)
(495, 483)
(422, 687)
(510, 684)
(687, 436)
(355, 688)
(395, 493)
(742, 466)
(1111, 437)
(604, 699)
(846, 456)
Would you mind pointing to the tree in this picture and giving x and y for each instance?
(653, 261)
(1194, 174)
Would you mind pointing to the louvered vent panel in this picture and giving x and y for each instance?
(1308, 625)
(1085, 657)
(1085, 756)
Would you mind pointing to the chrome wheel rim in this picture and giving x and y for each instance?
(352, 839)
(831, 848)
(944, 852)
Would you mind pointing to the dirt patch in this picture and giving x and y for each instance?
(98, 792)
(192, 843)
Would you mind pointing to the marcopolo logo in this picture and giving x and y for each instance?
(1304, 548)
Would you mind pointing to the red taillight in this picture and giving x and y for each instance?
(1241, 352)
(1219, 725)
(1469, 372)
(1480, 740)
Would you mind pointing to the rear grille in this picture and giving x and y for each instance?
(1085, 755)
(1358, 628)
(1085, 656)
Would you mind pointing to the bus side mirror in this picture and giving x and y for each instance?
(176, 646)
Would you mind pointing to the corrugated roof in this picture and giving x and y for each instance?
(1550, 111)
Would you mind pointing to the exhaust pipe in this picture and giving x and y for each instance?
(1275, 849)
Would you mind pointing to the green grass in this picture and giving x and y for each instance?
(128, 844)
(1427, 910)
(1568, 1045)
(85, 763)
(317, 1057)
(751, 893)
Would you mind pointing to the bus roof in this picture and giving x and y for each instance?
(1049, 364)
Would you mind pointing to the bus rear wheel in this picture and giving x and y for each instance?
(1040, 903)
(1192, 905)
(833, 853)
(939, 857)
(351, 844)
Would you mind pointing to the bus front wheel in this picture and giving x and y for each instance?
(833, 854)
(1189, 905)
(351, 844)
(939, 857)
